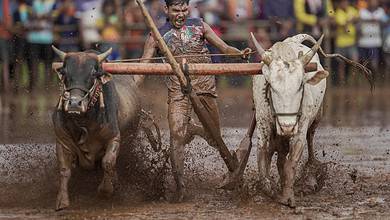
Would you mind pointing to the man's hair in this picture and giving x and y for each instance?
(176, 2)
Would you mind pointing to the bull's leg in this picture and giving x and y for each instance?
(314, 172)
(65, 160)
(265, 151)
(282, 153)
(295, 152)
(106, 187)
(178, 118)
(310, 136)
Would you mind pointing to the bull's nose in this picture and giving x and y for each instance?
(75, 105)
(287, 129)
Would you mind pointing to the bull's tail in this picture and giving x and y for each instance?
(300, 38)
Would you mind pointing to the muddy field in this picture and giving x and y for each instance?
(353, 142)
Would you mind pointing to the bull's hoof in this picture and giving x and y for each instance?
(230, 181)
(62, 202)
(313, 177)
(179, 196)
(265, 185)
(287, 201)
(106, 188)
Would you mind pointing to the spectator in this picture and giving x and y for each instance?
(134, 27)
(239, 12)
(370, 42)
(361, 4)
(109, 25)
(20, 47)
(5, 24)
(40, 38)
(386, 44)
(281, 15)
(156, 11)
(346, 17)
(312, 15)
(89, 11)
(67, 27)
(211, 11)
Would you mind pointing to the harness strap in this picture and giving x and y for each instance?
(273, 111)
(92, 94)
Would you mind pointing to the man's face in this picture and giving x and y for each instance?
(177, 14)
(373, 3)
(344, 4)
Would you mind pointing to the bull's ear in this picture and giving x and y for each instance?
(318, 76)
(105, 78)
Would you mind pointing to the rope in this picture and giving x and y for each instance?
(182, 56)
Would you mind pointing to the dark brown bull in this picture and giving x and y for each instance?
(95, 114)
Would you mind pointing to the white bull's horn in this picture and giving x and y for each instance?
(309, 55)
(264, 56)
(103, 56)
(59, 52)
(259, 48)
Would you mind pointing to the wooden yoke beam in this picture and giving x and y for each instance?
(194, 69)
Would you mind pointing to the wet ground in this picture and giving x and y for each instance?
(353, 142)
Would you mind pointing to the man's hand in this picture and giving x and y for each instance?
(245, 53)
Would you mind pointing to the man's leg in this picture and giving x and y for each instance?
(178, 117)
(210, 103)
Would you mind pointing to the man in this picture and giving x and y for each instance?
(370, 41)
(186, 36)
(5, 24)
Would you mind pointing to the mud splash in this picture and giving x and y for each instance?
(357, 161)
(356, 185)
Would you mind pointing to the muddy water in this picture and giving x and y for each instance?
(353, 140)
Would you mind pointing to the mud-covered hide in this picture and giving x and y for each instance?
(85, 136)
(288, 104)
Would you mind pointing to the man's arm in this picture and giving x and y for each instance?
(149, 50)
(213, 39)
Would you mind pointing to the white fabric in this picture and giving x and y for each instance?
(371, 35)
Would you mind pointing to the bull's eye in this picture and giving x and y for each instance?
(94, 72)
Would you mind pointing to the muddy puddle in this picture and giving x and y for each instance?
(353, 142)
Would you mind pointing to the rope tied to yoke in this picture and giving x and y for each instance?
(360, 67)
(184, 56)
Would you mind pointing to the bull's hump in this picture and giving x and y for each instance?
(285, 51)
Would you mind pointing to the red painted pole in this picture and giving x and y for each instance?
(194, 69)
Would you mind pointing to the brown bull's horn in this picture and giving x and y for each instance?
(59, 52)
(103, 56)
(309, 55)
(265, 57)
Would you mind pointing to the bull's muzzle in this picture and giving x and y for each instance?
(287, 126)
(75, 105)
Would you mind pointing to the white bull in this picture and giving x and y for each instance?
(288, 105)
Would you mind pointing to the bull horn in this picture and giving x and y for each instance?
(264, 56)
(59, 52)
(103, 56)
(309, 55)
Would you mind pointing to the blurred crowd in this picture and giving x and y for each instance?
(358, 29)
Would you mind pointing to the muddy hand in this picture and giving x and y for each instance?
(246, 53)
